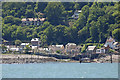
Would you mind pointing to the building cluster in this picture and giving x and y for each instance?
(35, 44)
(39, 21)
(109, 44)
(32, 21)
(69, 48)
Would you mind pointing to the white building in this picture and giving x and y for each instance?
(16, 49)
(91, 49)
(76, 14)
(23, 45)
(35, 43)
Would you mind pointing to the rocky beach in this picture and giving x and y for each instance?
(24, 58)
(107, 59)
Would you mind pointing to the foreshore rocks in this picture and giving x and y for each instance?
(21, 59)
(25, 58)
(107, 59)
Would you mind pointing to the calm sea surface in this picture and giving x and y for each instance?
(60, 70)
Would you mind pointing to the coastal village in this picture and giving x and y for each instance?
(60, 51)
(111, 47)
(60, 39)
(69, 48)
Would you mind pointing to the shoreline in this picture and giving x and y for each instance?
(26, 59)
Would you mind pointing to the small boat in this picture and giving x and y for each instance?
(85, 60)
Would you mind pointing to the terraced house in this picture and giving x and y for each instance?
(32, 21)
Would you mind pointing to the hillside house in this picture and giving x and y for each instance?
(76, 51)
(91, 49)
(78, 48)
(76, 14)
(35, 43)
(23, 45)
(44, 50)
(55, 48)
(109, 42)
(69, 47)
(32, 21)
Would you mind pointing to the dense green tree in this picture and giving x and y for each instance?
(68, 5)
(96, 22)
(79, 5)
(83, 34)
(71, 35)
(116, 34)
(40, 6)
(27, 49)
(50, 34)
(30, 14)
(81, 22)
(59, 34)
(84, 48)
(3, 47)
(85, 10)
(17, 42)
(19, 33)
(54, 12)
(12, 20)
(94, 32)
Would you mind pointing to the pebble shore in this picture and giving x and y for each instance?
(107, 59)
(21, 59)
(24, 58)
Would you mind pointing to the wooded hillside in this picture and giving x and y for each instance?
(96, 22)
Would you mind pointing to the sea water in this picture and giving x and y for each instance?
(60, 70)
